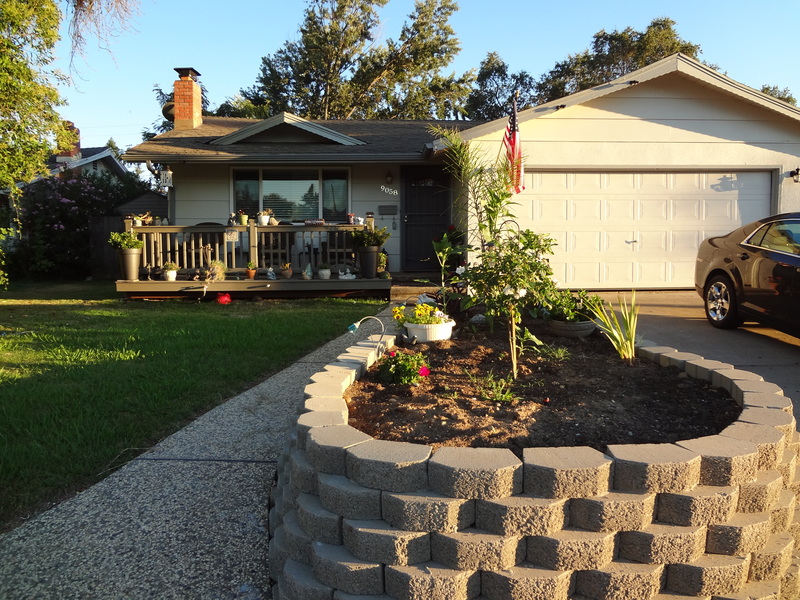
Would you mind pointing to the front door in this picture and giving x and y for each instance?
(426, 215)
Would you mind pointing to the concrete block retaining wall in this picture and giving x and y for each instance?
(356, 518)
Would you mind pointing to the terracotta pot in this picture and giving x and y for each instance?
(250, 273)
(287, 273)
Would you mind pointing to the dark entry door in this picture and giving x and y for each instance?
(426, 215)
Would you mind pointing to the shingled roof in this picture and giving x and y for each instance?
(378, 141)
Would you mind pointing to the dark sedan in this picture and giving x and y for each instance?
(753, 273)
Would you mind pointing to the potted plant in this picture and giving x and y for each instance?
(170, 271)
(216, 271)
(424, 321)
(242, 216)
(264, 216)
(250, 272)
(286, 270)
(568, 314)
(129, 248)
(324, 270)
(369, 242)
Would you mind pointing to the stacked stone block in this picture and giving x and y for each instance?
(354, 518)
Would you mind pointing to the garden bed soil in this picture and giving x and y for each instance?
(591, 398)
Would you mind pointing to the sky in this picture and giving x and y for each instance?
(111, 95)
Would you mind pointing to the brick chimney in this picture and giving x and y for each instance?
(188, 99)
(73, 152)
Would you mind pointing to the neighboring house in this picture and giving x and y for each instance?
(628, 177)
(84, 161)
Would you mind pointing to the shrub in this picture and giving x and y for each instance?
(402, 368)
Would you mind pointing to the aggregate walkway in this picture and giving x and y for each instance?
(186, 520)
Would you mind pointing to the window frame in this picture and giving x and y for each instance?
(319, 169)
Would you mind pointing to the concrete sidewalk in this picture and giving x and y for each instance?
(185, 520)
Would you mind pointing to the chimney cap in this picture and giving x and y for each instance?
(189, 72)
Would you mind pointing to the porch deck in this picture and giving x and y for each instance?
(270, 246)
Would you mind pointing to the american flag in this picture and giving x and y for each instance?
(514, 151)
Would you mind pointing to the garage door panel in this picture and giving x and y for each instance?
(552, 210)
(640, 229)
(618, 275)
(620, 209)
(617, 242)
(586, 241)
(651, 274)
(586, 210)
(652, 242)
(585, 271)
(686, 209)
(656, 209)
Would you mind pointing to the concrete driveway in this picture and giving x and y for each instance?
(676, 319)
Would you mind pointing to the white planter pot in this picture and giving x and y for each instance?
(263, 220)
(324, 273)
(171, 275)
(430, 333)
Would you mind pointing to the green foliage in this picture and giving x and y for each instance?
(784, 94)
(124, 240)
(5, 234)
(337, 70)
(564, 305)
(369, 237)
(403, 368)
(612, 55)
(621, 333)
(493, 388)
(484, 193)
(55, 216)
(30, 126)
(494, 87)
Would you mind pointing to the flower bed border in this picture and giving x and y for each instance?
(354, 516)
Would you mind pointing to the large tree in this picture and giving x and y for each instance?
(30, 126)
(494, 88)
(612, 55)
(337, 70)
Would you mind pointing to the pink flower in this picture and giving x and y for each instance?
(392, 353)
(424, 371)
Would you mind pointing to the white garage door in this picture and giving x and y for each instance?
(637, 230)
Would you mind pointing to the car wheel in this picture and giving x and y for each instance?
(720, 303)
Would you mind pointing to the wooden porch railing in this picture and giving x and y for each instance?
(267, 246)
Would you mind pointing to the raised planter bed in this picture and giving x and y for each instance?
(353, 517)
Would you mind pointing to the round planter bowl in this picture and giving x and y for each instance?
(430, 333)
(571, 329)
(171, 275)
(263, 220)
(324, 273)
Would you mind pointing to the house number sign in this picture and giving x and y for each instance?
(390, 191)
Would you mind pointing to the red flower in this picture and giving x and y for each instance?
(392, 353)
(424, 371)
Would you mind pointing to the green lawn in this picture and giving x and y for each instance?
(87, 381)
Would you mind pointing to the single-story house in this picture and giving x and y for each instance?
(628, 177)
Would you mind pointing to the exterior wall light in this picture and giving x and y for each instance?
(795, 175)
